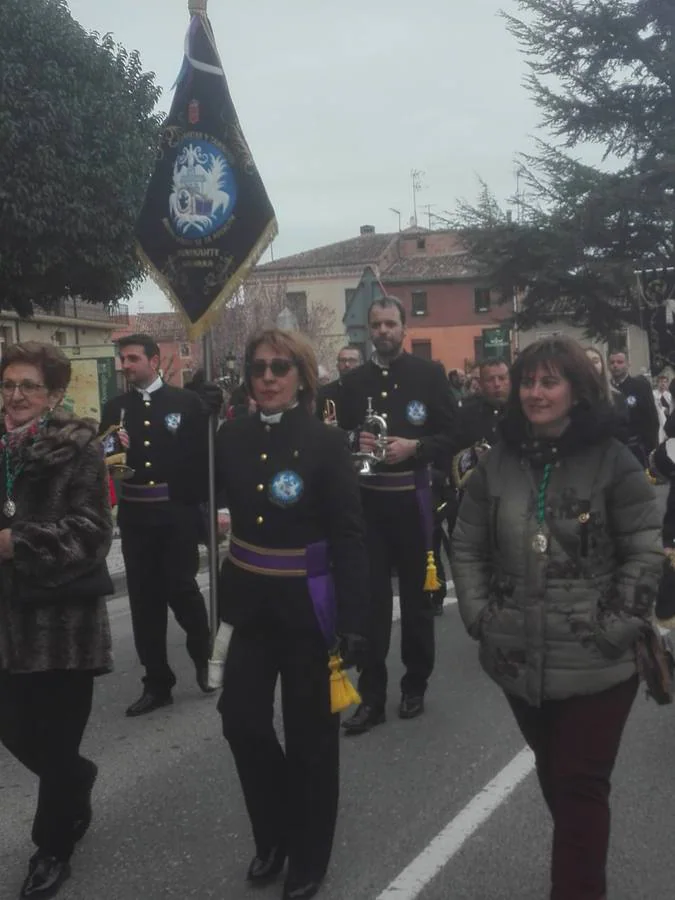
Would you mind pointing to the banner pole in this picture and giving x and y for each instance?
(207, 344)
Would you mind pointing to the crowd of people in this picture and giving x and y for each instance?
(533, 481)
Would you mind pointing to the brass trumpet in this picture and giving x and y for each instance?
(364, 460)
(330, 413)
(115, 454)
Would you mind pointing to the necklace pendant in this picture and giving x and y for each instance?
(540, 543)
(9, 508)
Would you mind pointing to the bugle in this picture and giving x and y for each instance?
(364, 459)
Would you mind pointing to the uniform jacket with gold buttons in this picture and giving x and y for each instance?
(414, 396)
(288, 485)
(168, 436)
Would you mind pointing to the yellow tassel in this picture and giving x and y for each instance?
(431, 582)
(342, 691)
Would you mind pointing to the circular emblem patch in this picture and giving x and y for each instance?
(631, 400)
(172, 421)
(203, 190)
(286, 488)
(416, 412)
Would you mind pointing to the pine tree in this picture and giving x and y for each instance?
(602, 72)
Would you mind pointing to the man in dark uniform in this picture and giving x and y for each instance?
(347, 359)
(479, 415)
(643, 419)
(414, 396)
(159, 515)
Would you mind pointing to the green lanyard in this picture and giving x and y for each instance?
(11, 474)
(540, 540)
(541, 497)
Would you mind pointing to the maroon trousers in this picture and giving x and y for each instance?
(575, 743)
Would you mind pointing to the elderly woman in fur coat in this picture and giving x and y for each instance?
(55, 532)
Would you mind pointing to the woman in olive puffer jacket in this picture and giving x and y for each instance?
(556, 555)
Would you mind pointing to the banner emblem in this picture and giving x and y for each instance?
(204, 191)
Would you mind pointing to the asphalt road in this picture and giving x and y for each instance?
(170, 820)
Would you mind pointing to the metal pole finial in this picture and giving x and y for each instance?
(197, 7)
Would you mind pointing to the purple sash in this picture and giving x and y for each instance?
(312, 563)
(418, 481)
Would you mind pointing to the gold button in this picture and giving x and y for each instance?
(383, 394)
(151, 483)
(263, 457)
(146, 423)
(259, 520)
(148, 465)
(268, 427)
(296, 454)
(147, 403)
(385, 371)
(260, 487)
(146, 443)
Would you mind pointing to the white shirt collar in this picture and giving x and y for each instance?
(150, 389)
(275, 418)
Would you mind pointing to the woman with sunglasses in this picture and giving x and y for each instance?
(55, 533)
(294, 584)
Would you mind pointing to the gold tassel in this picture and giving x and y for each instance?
(431, 582)
(342, 691)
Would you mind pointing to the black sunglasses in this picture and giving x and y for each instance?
(278, 367)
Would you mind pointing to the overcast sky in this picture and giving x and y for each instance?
(339, 101)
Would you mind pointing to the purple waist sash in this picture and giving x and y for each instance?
(144, 493)
(311, 563)
(418, 481)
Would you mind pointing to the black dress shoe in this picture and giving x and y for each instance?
(148, 701)
(46, 874)
(363, 719)
(266, 868)
(412, 705)
(300, 890)
(203, 680)
(83, 821)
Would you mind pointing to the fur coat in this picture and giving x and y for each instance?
(62, 530)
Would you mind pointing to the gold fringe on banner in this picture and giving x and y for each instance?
(206, 321)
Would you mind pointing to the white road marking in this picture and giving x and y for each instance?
(436, 855)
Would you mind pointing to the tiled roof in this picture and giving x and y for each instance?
(430, 268)
(355, 252)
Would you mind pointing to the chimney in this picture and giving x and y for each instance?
(367, 229)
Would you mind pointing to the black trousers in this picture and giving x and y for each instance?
(396, 541)
(43, 716)
(292, 793)
(161, 556)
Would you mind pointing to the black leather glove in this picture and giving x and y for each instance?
(353, 649)
(208, 392)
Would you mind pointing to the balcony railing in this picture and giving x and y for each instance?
(117, 314)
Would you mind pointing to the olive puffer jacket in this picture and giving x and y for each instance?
(563, 622)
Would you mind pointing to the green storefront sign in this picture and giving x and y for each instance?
(497, 343)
